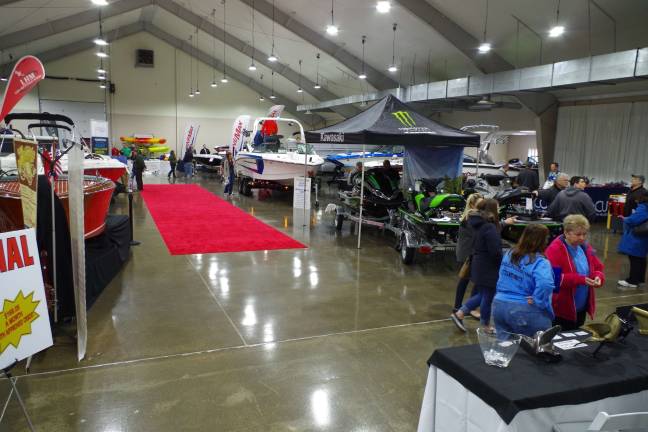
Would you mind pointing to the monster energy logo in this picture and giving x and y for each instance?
(404, 118)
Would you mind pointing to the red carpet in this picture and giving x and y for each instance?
(193, 220)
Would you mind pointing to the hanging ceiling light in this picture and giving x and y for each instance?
(102, 85)
(363, 75)
(383, 6)
(197, 64)
(272, 95)
(101, 70)
(317, 85)
(557, 30)
(224, 79)
(252, 66)
(100, 2)
(261, 98)
(101, 77)
(392, 67)
(101, 54)
(485, 46)
(100, 40)
(213, 83)
(191, 92)
(332, 29)
(273, 58)
(300, 90)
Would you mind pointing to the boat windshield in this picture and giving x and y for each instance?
(305, 149)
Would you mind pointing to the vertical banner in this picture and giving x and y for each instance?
(301, 193)
(99, 133)
(241, 125)
(77, 240)
(27, 164)
(27, 72)
(24, 322)
(189, 137)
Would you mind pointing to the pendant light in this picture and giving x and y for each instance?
(252, 66)
(363, 75)
(485, 46)
(191, 92)
(100, 2)
(213, 83)
(557, 30)
(273, 58)
(197, 65)
(272, 95)
(332, 29)
(300, 90)
(261, 97)
(383, 7)
(224, 79)
(317, 85)
(99, 40)
(392, 67)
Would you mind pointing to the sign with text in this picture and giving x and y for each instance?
(301, 193)
(24, 322)
(27, 72)
(99, 145)
(27, 164)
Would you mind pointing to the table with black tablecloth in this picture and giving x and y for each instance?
(465, 394)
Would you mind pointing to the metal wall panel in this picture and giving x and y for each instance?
(571, 72)
(458, 87)
(613, 66)
(482, 84)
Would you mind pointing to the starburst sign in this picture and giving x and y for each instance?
(16, 318)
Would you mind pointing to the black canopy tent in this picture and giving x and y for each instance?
(431, 149)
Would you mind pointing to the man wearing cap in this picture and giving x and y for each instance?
(636, 189)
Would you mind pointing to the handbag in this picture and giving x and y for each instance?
(641, 230)
(464, 271)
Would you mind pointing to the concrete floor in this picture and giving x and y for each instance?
(327, 338)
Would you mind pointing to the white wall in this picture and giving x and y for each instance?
(152, 100)
(519, 145)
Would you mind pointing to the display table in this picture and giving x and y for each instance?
(600, 196)
(464, 394)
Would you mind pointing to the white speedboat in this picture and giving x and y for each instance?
(271, 162)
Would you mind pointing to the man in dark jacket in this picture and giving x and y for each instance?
(528, 178)
(548, 195)
(573, 200)
(138, 169)
(636, 189)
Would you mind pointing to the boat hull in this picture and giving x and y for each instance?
(97, 193)
(275, 168)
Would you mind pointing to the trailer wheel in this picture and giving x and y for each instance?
(407, 253)
(246, 188)
(339, 220)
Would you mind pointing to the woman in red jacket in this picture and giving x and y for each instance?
(580, 272)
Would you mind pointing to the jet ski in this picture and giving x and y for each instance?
(520, 203)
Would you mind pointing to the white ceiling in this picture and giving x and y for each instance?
(414, 37)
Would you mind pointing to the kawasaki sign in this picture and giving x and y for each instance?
(405, 119)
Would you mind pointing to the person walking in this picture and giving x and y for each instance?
(188, 162)
(636, 189)
(228, 174)
(580, 273)
(522, 302)
(634, 246)
(464, 250)
(138, 169)
(484, 269)
(173, 161)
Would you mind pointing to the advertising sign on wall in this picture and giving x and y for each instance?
(99, 131)
(24, 322)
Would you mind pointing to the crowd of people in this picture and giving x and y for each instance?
(536, 283)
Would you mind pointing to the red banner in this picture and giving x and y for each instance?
(27, 72)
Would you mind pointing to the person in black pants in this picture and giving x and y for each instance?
(464, 249)
(636, 247)
(138, 169)
(173, 160)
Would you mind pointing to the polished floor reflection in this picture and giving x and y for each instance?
(327, 338)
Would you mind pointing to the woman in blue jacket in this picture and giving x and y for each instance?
(522, 303)
(634, 246)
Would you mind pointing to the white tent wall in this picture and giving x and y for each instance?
(153, 100)
(605, 142)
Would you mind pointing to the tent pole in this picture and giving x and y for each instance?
(364, 154)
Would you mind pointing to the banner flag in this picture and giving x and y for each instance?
(27, 72)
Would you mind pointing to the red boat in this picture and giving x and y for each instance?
(97, 192)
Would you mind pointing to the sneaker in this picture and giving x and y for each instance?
(622, 284)
(458, 322)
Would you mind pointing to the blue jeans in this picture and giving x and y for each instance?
(482, 299)
(521, 318)
(230, 184)
(188, 169)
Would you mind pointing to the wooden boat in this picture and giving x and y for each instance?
(97, 193)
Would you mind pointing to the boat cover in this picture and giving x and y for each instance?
(432, 149)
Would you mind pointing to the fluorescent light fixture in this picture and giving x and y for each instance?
(484, 48)
(272, 96)
(317, 86)
(332, 29)
(556, 31)
(383, 6)
(100, 2)
(528, 132)
(101, 54)
(252, 66)
(392, 68)
(213, 84)
(224, 80)
(100, 41)
(363, 75)
(300, 90)
(101, 71)
(273, 58)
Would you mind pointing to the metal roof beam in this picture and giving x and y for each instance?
(243, 78)
(375, 77)
(208, 27)
(70, 22)
(457, 36)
